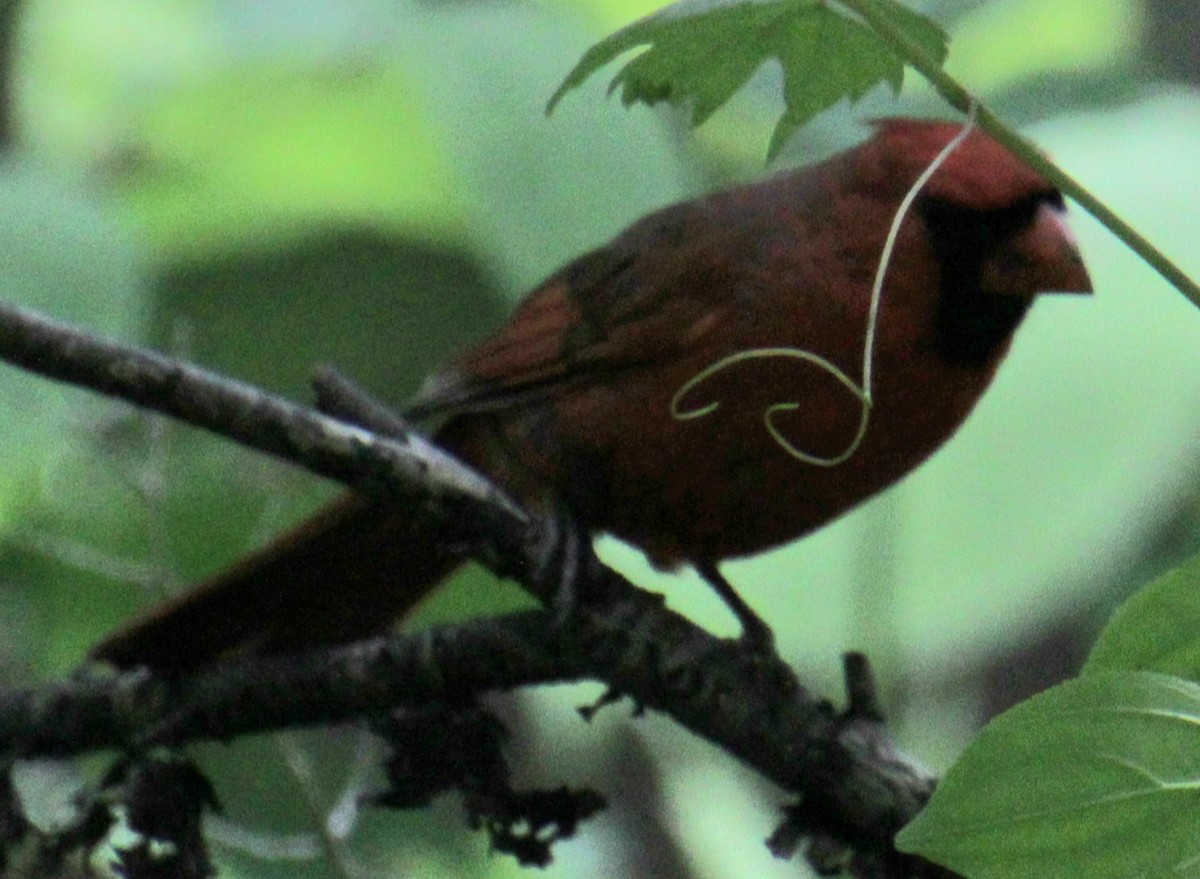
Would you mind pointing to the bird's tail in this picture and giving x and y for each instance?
(346, 573)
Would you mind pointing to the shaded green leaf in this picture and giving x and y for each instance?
(702, 51)
(1158, 629)
(63, 253)
(534, 192)
(1098, 778)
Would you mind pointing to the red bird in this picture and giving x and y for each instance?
(694, 386)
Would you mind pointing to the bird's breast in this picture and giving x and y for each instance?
(725, 469)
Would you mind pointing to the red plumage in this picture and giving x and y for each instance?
(572, 399)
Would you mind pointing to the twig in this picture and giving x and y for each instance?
(407, 469)
(336, 395)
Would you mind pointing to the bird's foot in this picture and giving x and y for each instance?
(756, 636)
(757, 641)
(563, 558)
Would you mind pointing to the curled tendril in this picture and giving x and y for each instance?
(769, 414)
(861, 393)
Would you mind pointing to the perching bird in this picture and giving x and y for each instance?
(598, 393)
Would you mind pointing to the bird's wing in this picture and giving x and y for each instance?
(661, 285)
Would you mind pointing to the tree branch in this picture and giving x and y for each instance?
(857, 790)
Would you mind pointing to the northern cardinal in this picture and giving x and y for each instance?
(599, 392)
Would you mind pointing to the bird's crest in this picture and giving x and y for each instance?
(978, 174)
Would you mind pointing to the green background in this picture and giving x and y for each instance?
(264, 186)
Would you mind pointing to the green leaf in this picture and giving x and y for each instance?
(702, 51)
(1158, 629)
(1098, 778)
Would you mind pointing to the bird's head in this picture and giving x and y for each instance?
(984, 206)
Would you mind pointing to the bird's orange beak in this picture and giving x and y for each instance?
(1041, 258)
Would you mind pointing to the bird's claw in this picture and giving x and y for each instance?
(562, 562)
(757, 637)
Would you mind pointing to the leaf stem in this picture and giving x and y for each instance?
(961, 99)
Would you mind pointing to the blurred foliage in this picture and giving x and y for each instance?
(372, 183)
